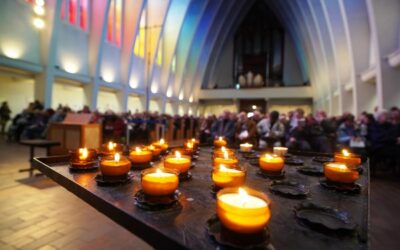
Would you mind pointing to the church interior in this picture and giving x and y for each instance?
(199, 124)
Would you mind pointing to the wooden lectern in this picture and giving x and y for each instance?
(75, 132)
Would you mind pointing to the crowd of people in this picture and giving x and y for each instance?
(374, 134)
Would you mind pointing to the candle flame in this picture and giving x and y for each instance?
(158, 171)
(193, 140)
(83, 153)
(345, 152)
(243, 194)
(269, 157)
(162, 141)
(223, 149)
(111, 145)
(178, 154)
(189, 145)
(220, 138)
(222, 167)
(117, 157)
(151, 147)
(226, 156)
(137, 149)
(342, 166)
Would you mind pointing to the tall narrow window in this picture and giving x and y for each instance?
(138, 49)
(114, 26)
(173, 64)
(83, 15)
(76, 13)
(160, 52)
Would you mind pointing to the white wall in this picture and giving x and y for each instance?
(224, 68)
(18, 39)
(71, 95)
(108, 100)
(134, 103)
(11, 91)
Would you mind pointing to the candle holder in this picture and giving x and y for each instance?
(179, 163)
(246, 148)
(274, 175)
(162, 145)
(156, 152)
(140, 158)
(313, 170)
(346, 188)
(224, 176)
(232, 240)
(154, 203)
(350, 159)
(340, 173)
(243, 210)
(280, 151)
(114, 167)
(111, 148)
(104, 180)
(289, 189)
(324, 219)
(220, 142)
(159, 181)
(83, 159)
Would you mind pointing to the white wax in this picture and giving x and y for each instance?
(160, 175)
(239, 201)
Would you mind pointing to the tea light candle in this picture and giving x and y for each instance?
(178, 162)
(157, 182)
(188, 148)
(161, 144)
(154, 150)
(271, 163)
(339, 172)
(82, 157)
(348, 158)
(220, 142)
(220, 152)
(280, 151)
(115, 166)
(226, 160)
(140, 156)
(195, 143)
(111, 148)
(223, 176)
(242, 212)
(246, 147)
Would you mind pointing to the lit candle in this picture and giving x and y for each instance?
(352, 160)
(280, 151)
(271, 163)
(220, 152)
(139, 156)
(246, 147)
(195, 143)
(242, 212)
(161, 144)
(220, 142)
(178, 162)
(155, 150)
(115, 166)
(82, 157)
(157, 182)
(111, 148)
(188, 148)
(226, 160)
(223, 176)
(339, 172)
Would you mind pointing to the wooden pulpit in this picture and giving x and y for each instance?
(74, 132)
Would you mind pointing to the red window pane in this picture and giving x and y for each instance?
(110, 26)
(83, 14)
(118, 22)
(63, 10)
(72, 11)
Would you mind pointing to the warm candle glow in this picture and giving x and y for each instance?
(345, 152)
(220, 138)
(271, 163)
(162, 141)
(117, 157)
(83, 153)
(137, 149)
(269, 157)
(189, 145)
(156, 182)
(339, 172)
(178, 154)
(111, 145)
(226, 156)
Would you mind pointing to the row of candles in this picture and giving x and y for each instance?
(239, 209)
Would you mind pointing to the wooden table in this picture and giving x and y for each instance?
(185, 227)
(36, 143)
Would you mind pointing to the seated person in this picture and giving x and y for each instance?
(245, 130)
(271, 131)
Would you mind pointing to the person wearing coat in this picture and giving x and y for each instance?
(271, 131)
(245, 130)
